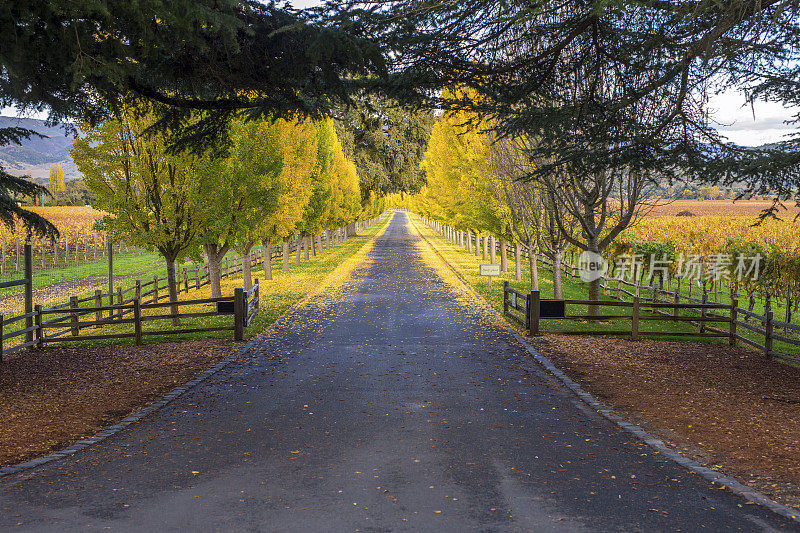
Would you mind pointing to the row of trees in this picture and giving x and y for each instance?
(602, 87)
(484, 183)
(278, 179)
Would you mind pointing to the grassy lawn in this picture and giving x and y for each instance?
(127, 264)
(277, 296)
(466, 266)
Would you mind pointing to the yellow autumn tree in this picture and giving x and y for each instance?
(459, 174)
(298, 142)
(55, 183)
(345, 200)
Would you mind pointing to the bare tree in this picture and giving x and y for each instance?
(532, 213)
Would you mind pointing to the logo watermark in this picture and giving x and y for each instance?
(592, 266)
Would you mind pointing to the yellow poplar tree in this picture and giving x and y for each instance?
(298, 140)
(55, 183)
(150, 193)
(458, 170)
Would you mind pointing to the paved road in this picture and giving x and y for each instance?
(388, 408)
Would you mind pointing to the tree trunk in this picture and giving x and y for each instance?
(298, 251)
(477, 245)
(594, 294)
(493, 250)
(485, 248)
(215, 255)
(247, 278)
(534, 265)
(285, 251)
(517, 262)
(469, 242)
(503, 255)
(319, 242)
(267, 259)
(328, 235)
(557, 292)
(172, 290)
(594, 285)
(305, 247)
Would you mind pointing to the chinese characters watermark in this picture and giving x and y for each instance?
(715, 267)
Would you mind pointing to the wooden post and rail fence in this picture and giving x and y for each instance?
(67, 323)
(711, 319)
(135, 304)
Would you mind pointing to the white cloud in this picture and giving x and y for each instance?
(13, 112)
(751, 126)
(303, 4)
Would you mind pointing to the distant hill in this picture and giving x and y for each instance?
(37, 155)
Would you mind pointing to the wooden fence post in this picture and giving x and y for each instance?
(704, 301)
(98, 302)
(28, 292)
(635, 319)
(137, 320)
(734, 306)
(768, 325)
(73, 304)
(119, 302)
(185, 281)
(155, 289)
(197, 277)
(505, 298)
(788, 307)
(138, 290)
(238, 314)
(38, 317)
(533, 313)
(675, 312)
(1, 338)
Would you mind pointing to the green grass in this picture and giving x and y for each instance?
(277, 296)
(466, 266)
(148, 261)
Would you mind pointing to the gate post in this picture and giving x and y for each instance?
(533, 313)
(137, 320)
(238, 314)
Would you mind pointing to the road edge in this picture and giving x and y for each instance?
(656, 444)
(177, 392)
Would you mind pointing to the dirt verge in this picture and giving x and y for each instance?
(53, 397)
(727, 408)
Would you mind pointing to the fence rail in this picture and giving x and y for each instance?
(70, 327)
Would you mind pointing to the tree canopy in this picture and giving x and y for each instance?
(602, 85)
(78, 59)
(386, 141)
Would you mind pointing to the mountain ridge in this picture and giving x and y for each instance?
(36, 155)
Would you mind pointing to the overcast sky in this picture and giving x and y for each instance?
(736, 121)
